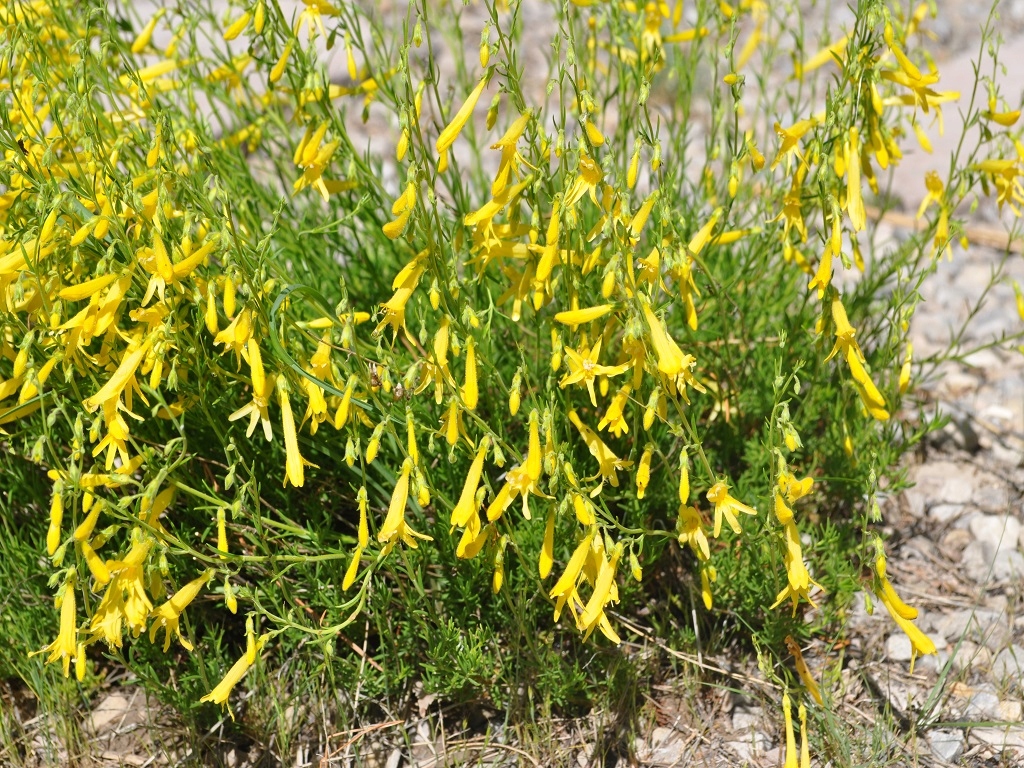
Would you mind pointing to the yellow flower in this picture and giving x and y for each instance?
(727, 506)
(395, 527)
(166, 617)
(823, 276)
(583, 367)
(521, 480)
(470, 393)
(869, 394)
(294, 463)
(854, 201)
(671, 360)
(607, 461)
(567, 581)
(220, 694)
(452, 130)
(403, 285)
(593, 612)
(467, 506)
(547, 549)
(125, 601)
(643, 471)
(237, 27)
(311, 16)
(65, 647)
(402, 209)
(787, 713)
(791, 138)
(691, 531)
(577, 317)
(902, 614)
(510, 157)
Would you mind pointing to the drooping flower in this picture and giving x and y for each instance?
(65, 647)
(727, 506)
(607, 461)
(458, 122)
(220, 693)
(167, 616)
(691, 531)
(901, 613)
(395, 528)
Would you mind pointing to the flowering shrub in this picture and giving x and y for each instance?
(549, 329)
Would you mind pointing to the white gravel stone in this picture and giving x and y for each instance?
(1011, 711)
(945, 513)
(947, 745)
(983, 705)
(983, 563)
(898, 647)
(998, 531)
(751, 749)
(744, 719)
(1008, 665)
(1003, 739)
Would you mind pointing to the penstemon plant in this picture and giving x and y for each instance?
(560, 328)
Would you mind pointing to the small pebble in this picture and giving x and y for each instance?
(947, 745)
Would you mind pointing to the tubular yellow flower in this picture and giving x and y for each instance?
(671, 360)
(404, 285)
(584, 509)
(606, 459)
(684, 478)
(854, 201)
(602, 588)
(282, 62)
(869, 394)
(805, 750)
(125, 372)
(708, 575)
(396, 509)
(791, 138)
(93, 508)
(143, 38)
(65, 647)
(353, 569)
(726, 506)
(56, 516)
(1005, 119)
(901, 613)
(643, 471)
(470, 393)
(237, 26)
(576, 317)
(615, 418)
(703, 235)
(787, 713)
(547, 550)
(97, 567)
(167, 616)
(802, 670)
(294, 463)
(467, 505)
(452, 130)
(691, 532)
(823, 276)
(220, 694)
(567, 581)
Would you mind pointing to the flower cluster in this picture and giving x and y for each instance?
(545, 337)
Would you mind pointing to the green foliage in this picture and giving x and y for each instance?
(625, 323)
